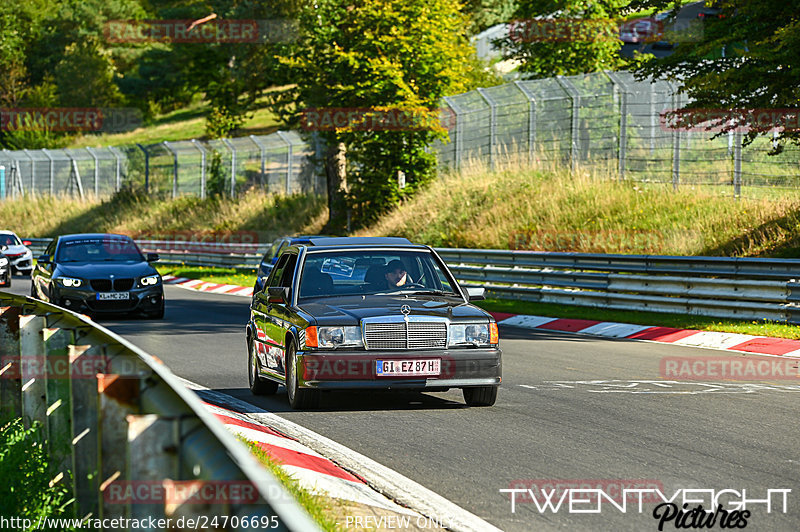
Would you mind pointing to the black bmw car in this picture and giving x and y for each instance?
(99, 273)
(369, 313)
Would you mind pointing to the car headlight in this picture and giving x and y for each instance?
(477, 334)
(150, 280)
(70, 282)
(333, 337)
(3, 261)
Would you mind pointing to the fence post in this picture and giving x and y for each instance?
(52, 168)
(76, 174)
(10, 384)
(96, 172)
(146, 168)
(31, 352)
(227, 143)
(174, 169)
(576, 103)
(118, 169)
(289, 161)
(492, 126)
(263, 156)
(33, 172)
(531, 119)
(737, 164)
(202, 168)
(459, 141)
(622, 90)
(676, 142)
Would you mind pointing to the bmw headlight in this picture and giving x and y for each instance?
(150, 280)
(70, 282)
(476, 334)
(333, 337)
(3, 261)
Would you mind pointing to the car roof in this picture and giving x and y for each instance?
(78, 236)
(360, 241)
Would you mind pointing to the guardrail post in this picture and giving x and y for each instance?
(85, 431)
(174, 169)
(575, 97)
(289, 161)
(118, 396)
(57, 374)
(151, 457)
(10, 385)
(492, 126)
(32, 360)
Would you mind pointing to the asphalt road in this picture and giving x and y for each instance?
(571, 408)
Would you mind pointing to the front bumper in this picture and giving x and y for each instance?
(460, 368)
(22, 264)
(149, 299)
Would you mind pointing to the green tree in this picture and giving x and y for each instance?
(748, 59)
(582, 38)
(397, 56)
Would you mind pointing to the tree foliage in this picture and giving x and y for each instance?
(394, 56)
(748, 59)
(583, 39)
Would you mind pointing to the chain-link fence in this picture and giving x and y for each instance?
(611, 123)
(605, 121)
(281, 162)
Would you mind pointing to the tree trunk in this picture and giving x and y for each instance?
(336, 174)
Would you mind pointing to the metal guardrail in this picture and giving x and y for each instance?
(727, 287)
(118, 424)
(742, 288)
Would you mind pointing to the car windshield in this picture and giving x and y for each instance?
(98, 250)
(9, 240)
(335, 273)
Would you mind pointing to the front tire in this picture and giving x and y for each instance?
(480, 395)
(258, 384)
(299, 398)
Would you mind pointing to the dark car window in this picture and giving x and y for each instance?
(51, 249)
(98, 250)
(9, 240)
(365, 272)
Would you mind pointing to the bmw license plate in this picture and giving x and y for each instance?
(408, 368)
(113, 296)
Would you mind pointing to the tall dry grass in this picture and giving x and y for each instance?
(553, 209)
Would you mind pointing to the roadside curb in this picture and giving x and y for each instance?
(207, 286)
(382, 481)
(732, 342)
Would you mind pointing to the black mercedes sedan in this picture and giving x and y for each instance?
(369, 313)
(99, 274)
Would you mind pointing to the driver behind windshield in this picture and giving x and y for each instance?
(396, 274)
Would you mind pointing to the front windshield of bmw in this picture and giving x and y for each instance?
(98, 250)
(336, 273)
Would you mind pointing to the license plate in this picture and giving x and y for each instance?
(404, 368)
(114, 296)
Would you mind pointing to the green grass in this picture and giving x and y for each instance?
(238, 277)
(679, 321)
(322, 509)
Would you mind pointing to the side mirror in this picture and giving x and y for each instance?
(152, 257)
(43, 259)
(476, 293)
(278, 294)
